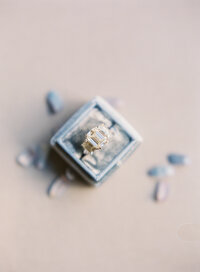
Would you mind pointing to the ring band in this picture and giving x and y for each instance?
(96, 138)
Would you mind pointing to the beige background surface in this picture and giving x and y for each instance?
(147, 53)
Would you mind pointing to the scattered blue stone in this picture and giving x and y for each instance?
(161, 191)
(57, 187)
(26, 157)
(41, 156)
(69, 174)
(178, 159)
(161, 171)
(54, 102)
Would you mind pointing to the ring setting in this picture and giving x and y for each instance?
(96, 138)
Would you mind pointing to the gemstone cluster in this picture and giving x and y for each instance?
(96, 138)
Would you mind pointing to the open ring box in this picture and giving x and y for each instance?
(96, 167)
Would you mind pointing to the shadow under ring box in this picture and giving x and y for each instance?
(95, 168)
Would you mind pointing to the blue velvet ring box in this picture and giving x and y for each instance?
(96, 167)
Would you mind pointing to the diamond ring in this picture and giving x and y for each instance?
(96, 138)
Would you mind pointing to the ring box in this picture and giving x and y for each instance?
(95, 168)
